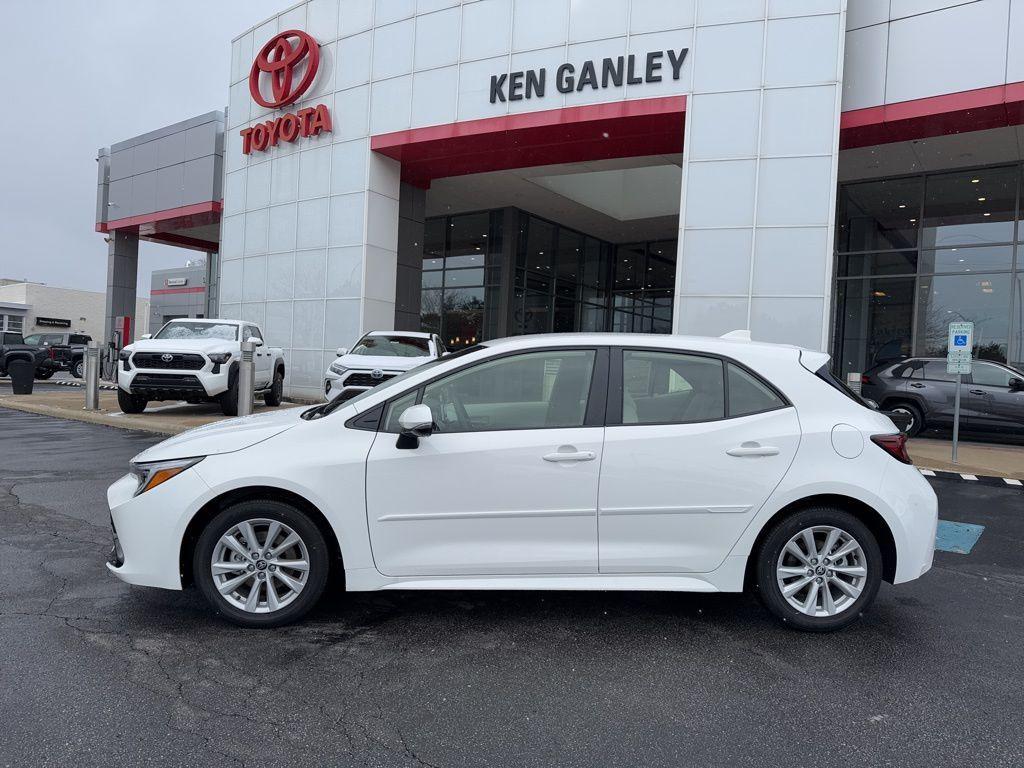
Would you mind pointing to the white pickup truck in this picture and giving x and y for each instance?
(196, 360)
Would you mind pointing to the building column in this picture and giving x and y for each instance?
(412, 208)
(122, 275)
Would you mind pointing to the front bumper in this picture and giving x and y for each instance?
(353, 381)
(148, 529)
(176, 385)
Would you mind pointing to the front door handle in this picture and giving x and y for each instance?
(977, 391)
(917, 385)
(570, 456)
(753, 449)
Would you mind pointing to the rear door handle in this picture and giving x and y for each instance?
(977, 392)
(917, 385)
(570, 456)
(753, 450)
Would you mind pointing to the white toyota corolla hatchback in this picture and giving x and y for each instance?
(602, 462)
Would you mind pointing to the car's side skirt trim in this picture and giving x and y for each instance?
(582, 582)
(485, 515)
(737, 509)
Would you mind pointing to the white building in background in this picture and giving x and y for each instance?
(842, 176)
(28, 308)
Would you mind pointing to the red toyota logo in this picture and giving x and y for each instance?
(279, 59)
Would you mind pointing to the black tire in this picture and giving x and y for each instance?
(229, 399)
(44, 373)
(267, 509)
(913, 413)
(129, 403)
(770, 592)
(78, 368)
(273, 396)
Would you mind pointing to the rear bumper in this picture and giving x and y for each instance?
(916, 509)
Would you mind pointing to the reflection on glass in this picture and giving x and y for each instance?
(874, 322)
(984, 259)
(970, 207)
(463, 317)
(569, 254)
(879, 215)
(539, 246)
(457, 278)
(431, 279)
(981, 299)
(884, 263)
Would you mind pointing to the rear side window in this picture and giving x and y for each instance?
(935, 370)
(671, 388)
(748, 394)
(77, 339)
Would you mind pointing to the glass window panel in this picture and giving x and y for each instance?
(935, 370)
(593, 318)
(970, 207)
(529, 391)
(595, 264)
(569, 256)
(456, 278)
(537, 313)
(463, 317)
(884, 263)
(879, 215)
(981, 299)
(988, 375)
(540, 237)
(433, 243)
(984, 259)
(661, 265)
(748, 394)
(395, 410)
(468, 236)
(430, 311)
(874, 322)
(564, 318)
(629, 264)
(431, 279)
(671, 388)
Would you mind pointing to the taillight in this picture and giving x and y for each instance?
(894, 445)
(865, 379)
(49, 352)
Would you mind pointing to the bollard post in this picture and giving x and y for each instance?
(246, 379)
(92, 376)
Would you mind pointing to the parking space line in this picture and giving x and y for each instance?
(1011, 481)
(928, 472)
(958, 538)
(968, 477)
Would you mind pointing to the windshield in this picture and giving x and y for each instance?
(178, 330)
(391, 346)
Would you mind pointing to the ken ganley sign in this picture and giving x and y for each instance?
(622, 70)
(284, 69)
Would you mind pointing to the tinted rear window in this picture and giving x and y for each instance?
(825, 374)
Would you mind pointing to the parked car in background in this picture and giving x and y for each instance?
(197, 361)
(378, 357)
(65, 351)
(991, 398)
(13, 347)
(565, 461)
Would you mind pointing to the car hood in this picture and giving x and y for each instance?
(224, 436)
(182, 345)
(384, 362)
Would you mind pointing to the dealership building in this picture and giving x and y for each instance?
(842, 176)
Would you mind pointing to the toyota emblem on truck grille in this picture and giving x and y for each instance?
(167, 358)
(377, 373)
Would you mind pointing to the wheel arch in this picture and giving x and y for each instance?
(862, 511)
(214, 506)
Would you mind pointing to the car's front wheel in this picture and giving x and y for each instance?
(44, 373)
(129, 403)
(819, 569)
(261, 563)
(78, 368)
(275, 394)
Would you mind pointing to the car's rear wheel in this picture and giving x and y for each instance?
(275, 394)
(78, 368)
(819, 569)
(44, 373)
(129, 403)
(912, 415)
(261, 563)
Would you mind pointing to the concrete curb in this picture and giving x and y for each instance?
(90, 417)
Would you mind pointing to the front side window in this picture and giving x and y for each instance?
(987, 375)
(671, 388)
(180, 330)
(530, 391)
(391, 346)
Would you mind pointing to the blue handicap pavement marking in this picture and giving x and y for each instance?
(959, 538)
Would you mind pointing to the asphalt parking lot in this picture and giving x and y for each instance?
(98, 673)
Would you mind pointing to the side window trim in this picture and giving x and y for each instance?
(616, 386)
(597, 396)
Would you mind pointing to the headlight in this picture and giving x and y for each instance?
(124, 354)
(338, 369)
(220, 357)
(152, 473)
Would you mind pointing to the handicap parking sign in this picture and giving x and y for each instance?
(960, 340)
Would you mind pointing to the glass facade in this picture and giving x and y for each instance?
(561, 280)
(916, 253)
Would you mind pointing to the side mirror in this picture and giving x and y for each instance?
(145, 336)
(255, 340)
(417, 420)
(341, 351)
(1016, 385)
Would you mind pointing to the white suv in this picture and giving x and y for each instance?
(597, 462)
(377, 357)
(196, 360)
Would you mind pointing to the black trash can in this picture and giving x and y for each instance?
(22, 373)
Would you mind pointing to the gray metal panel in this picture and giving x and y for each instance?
(120, 200)
(122, 164)
(170, 186)
(145, 158)
(143, 198)
(202, 140)
(184, 125)
(170, 150)
(201, 179)
(218, 177)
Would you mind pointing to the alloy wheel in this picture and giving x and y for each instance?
(821, 571)
(909, 415)
(260, 565)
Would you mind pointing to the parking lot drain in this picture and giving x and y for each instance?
(958, 538)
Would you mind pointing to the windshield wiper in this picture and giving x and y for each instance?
(324, 409)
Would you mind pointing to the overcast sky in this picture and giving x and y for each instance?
(87, 74)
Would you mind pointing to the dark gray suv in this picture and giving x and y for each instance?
(992, 398)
